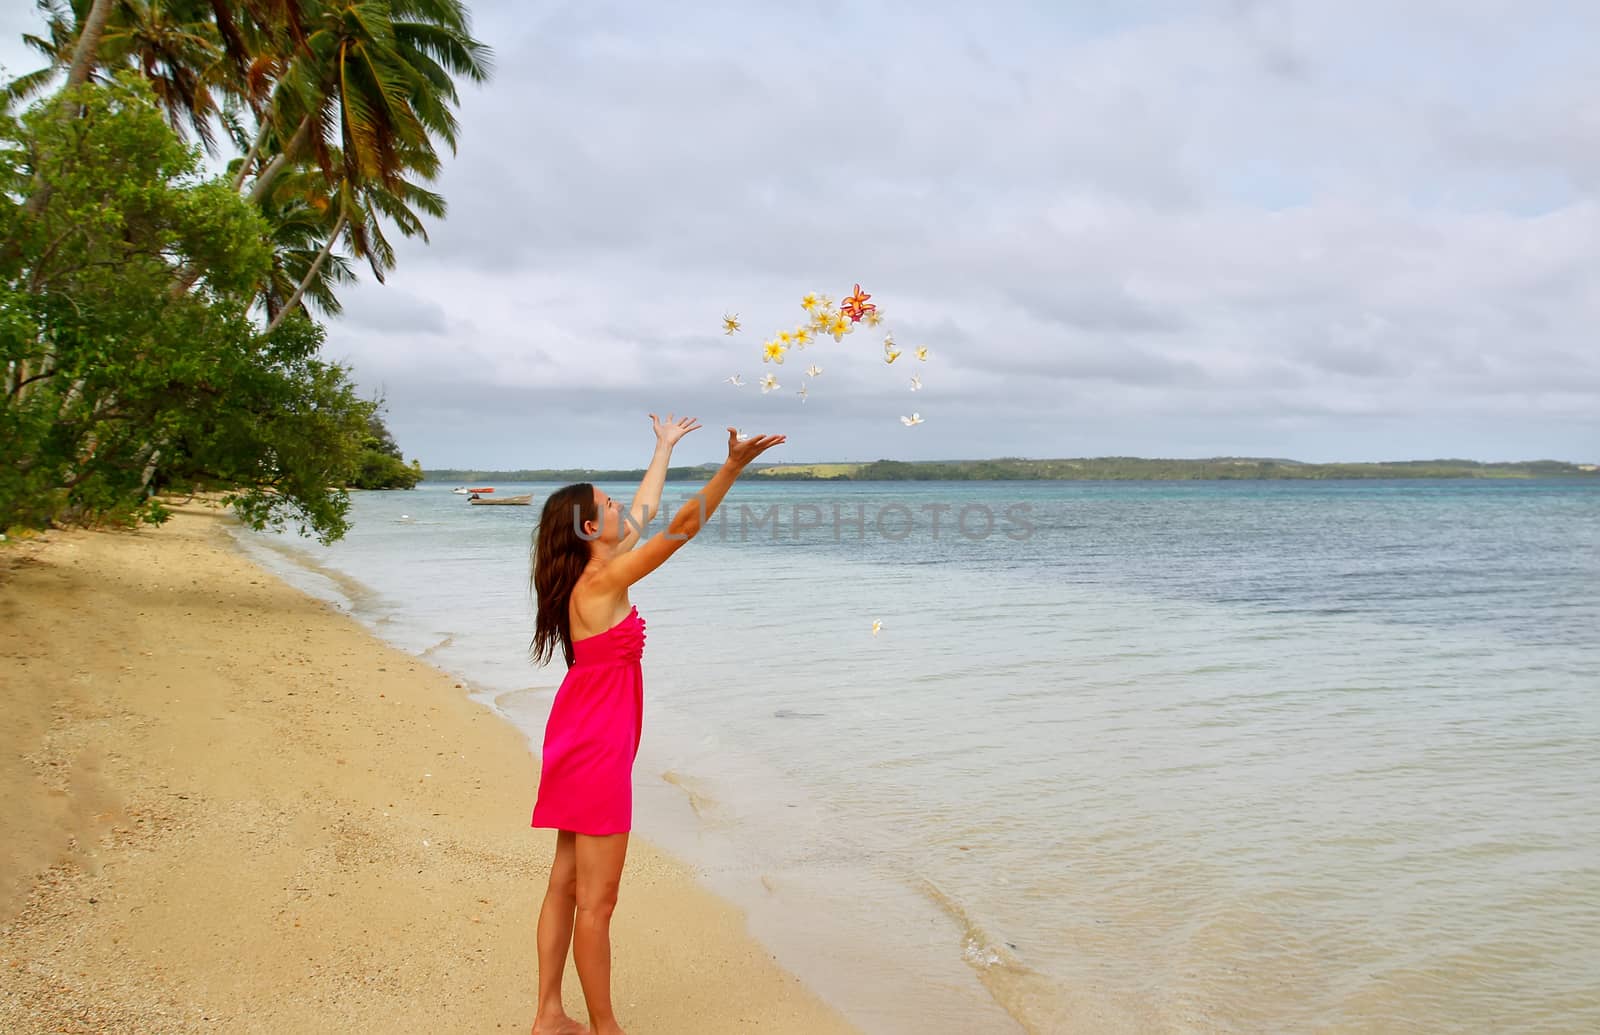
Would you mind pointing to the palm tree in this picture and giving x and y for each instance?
(382, 73)
(362, 209)
(304, 216)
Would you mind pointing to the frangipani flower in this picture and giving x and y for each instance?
(813, 370)
(916, 383)
(735, 380)
(838, 326)
(876, 626)
(855, 306)
(922, 352)
(809, 302)
(802, 337)
(773, 352)
(768, 383)
(785, 338)
(802, 393)
(825, 303)
(730, 323)
(874, 317)
(911, 421)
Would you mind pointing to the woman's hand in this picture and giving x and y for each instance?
(669, 431)
(741, 452)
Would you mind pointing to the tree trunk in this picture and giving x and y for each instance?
(297, 143)
(149, 472)
(88, 47)
(300, 289)
(250, 159)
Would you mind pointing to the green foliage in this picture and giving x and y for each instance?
(119, 385)
(380, 464)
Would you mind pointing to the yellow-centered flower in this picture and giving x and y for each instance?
(773, 353)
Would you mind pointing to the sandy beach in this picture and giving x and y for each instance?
(227, 807)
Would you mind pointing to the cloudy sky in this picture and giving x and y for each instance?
(1321, 230)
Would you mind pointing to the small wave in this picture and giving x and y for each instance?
(1030, 997)
(448, 641)
(703, 804)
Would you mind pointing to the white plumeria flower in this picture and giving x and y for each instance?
(740, 436)
(876, 625)
(813, 371)
(735, 380)
(802, 393)
(768, 383)
(916, 383)
(915, 418)
(922, 352)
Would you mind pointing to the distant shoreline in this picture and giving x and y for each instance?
(1079, 469)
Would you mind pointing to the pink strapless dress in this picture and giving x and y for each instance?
(592, 735)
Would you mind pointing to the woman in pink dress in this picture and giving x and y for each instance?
(586, 554)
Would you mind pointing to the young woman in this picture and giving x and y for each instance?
(586, 554)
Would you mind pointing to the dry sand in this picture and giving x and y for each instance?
(226, 807)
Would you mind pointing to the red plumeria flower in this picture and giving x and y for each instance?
(856, 306)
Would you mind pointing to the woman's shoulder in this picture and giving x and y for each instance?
(593, 608)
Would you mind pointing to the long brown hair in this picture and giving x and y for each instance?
(560, 553)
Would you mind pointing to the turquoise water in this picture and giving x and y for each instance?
(1267, 756)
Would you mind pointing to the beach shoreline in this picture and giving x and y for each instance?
(233, 808)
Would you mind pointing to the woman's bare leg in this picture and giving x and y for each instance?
(555, 935)
(600, 862)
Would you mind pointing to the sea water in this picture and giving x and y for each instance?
(1217, 756)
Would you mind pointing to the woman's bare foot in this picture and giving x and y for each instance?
(558, 1024)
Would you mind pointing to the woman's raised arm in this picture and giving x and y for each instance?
(627, 568)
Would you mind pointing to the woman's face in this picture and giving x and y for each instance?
(608, 517)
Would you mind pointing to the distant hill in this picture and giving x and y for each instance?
(1112, 468)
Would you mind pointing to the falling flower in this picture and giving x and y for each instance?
(773, 353)
(740, 436)
(809, 302)
(855, 306)
(874, 317)
(785, 338)
(876, 625)
(890, 353)
(922, 352)
(730, 323)
(802, 393)
(768, 383)
(838, 326)
(821, 321)
(916, 383)
(813, 370)
(802, 337)
(911, 421)
(824, 302)
(735, 380)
